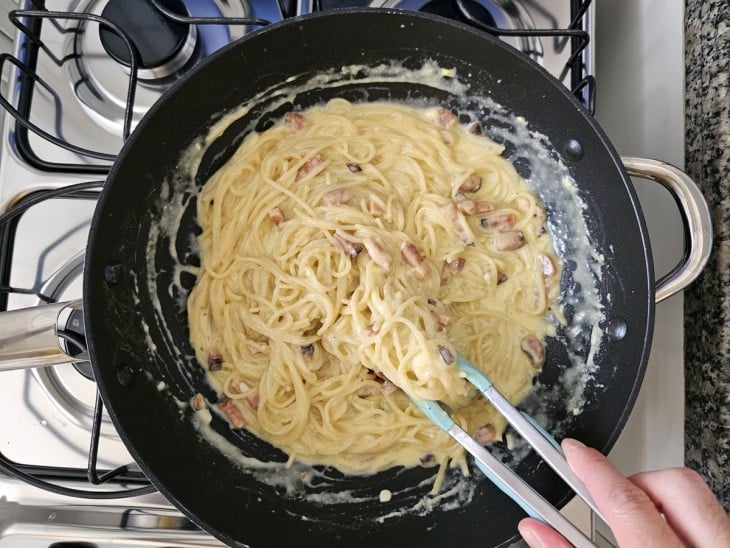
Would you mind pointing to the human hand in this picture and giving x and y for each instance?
(672, 507)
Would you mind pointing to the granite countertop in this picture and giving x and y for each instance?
(707, 301)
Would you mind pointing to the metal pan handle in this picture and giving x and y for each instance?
(33, 337)
(695, 216)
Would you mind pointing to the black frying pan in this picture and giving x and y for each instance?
(132, 348)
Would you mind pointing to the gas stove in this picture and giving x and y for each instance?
(76, 90)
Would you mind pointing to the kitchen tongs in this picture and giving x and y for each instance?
(500, 474)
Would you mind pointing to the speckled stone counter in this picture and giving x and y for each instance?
(707, 302)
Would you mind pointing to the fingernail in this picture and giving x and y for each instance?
(570, 442)
(532, 540)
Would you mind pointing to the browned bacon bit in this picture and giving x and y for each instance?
(379, 255)
(501, 277)
(235, 418)
(486, 434)
(442, 322)
(413, 258)
(239, 387)
(198, 402)
(446, 354)
(294, 120)
(461, 227)
(307, 350)
(451, 268)
(351, 248)
(276, 215)
(354, 168)
(445, 118)
(548, 266)
(498, 220)
(428, 461)
(386, 387)
(509, 240)
(457, 265)
(476, 129)
(431, 301)
(482, 206)
(375, 206)
(532, 346)
(338, 196)
(445, 274)
(254, 401)
(215, 362)
(472, 184)
(309, 166)
(464, 204)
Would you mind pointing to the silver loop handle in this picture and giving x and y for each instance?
(695, 216)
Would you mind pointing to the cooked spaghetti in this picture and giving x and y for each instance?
(348, 253)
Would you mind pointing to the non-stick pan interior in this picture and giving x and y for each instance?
(142, 248)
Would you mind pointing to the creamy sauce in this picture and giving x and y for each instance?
(548, 177)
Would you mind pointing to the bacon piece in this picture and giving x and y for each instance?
(459, 224)
(351, 248)
(239, 387)
(354, 168)
(445, 118)
(338, 196)
(509, 240)
(276, 215)
(498, 220)
(471, 184)
(375, 206)
(386, 387)
(215, 362)
(486, 434)
(449, 269)
(442, 320)
(254, 401)
(548, 266)
(309, 166)
(428, 461)
(413, 258)
(482, 206)
(464, 204)
(198, 402)
(371, 330)
(294, 120)
(476, 129)
(446, 354)
(501, 277)
(533, 347)
(457, 265)
(379, 255)
(235, 418)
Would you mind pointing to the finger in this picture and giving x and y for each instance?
(689, 506)
(631, 514)
(540, 535)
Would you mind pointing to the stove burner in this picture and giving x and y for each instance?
(164, 46)
(99, 71)
(67, 385)
(509, 15)
(447, 8)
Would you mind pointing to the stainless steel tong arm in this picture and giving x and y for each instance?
(505, 478)
(543, 443)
